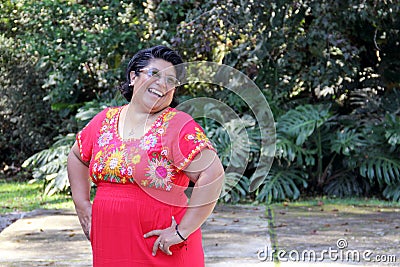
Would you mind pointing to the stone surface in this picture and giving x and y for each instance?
(232, 236)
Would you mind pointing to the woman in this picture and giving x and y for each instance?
(142, 156)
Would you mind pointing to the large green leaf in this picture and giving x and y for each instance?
(392, 192)
(347, 140)
(385, 169)
(235, 187)
(301, 122)
(282, 183)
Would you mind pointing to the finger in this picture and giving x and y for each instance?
(152, 233)
(155, 247)
(168, 252)
(173, 221)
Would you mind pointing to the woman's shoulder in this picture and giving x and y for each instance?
(178, 116)
(105, 112)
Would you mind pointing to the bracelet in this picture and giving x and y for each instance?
(179, 234)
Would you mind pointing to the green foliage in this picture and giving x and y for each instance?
(346, 185)
(392, 192)
(282, 183)
(50, 165)
(328, 68)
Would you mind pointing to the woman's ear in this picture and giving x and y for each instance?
(132, 76)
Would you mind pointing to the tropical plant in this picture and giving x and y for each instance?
(50, 165)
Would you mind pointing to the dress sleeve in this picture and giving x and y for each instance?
(87, 137)
(186, 138)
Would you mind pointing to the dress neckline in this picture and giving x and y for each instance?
(116, 125)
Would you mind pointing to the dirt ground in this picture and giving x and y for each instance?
(234, 235)
(353, 234)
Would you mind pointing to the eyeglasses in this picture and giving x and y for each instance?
(170, 80)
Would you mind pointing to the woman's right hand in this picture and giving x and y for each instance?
(85, 218)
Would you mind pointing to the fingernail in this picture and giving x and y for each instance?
(144, 236)
(153, 254)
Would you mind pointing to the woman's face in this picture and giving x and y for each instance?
(154, 85)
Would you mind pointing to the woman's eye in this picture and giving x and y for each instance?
(154, 73)
(170, 80)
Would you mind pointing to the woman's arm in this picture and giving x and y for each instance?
(207, 172)
(78, 175)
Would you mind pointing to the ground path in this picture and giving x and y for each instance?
(233, 236)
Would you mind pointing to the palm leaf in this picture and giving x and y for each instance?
(392, 192)
(301, 122)
(234, 187)
(346, 185)
(347, 140)
(281, 183)
(384, 168)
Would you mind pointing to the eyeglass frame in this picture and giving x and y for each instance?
(150, 73)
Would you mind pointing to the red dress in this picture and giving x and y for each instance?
(140, 186)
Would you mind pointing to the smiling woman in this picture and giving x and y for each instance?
(142, 156)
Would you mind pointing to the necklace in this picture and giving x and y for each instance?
(131, 132)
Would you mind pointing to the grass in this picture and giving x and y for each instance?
(22, 196)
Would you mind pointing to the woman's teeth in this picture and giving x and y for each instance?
(156, 92)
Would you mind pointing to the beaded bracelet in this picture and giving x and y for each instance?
(179, 234)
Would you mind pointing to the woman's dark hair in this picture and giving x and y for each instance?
(142, 58)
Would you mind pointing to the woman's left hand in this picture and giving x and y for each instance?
(166, 238)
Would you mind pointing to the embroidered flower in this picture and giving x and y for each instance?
(158, 124)
(160, 173)
(161, 131)
(200, 136)
(123, 170)
(189, 137)
(136, 159)
(169, 115)
(197, 137)
(113, 163)
(130, 171)
(111, 112)
(105, 139)
(164, 151)
(98, 155)
(148, 142)
(100, 168)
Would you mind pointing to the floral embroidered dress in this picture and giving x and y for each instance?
(140, 186)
